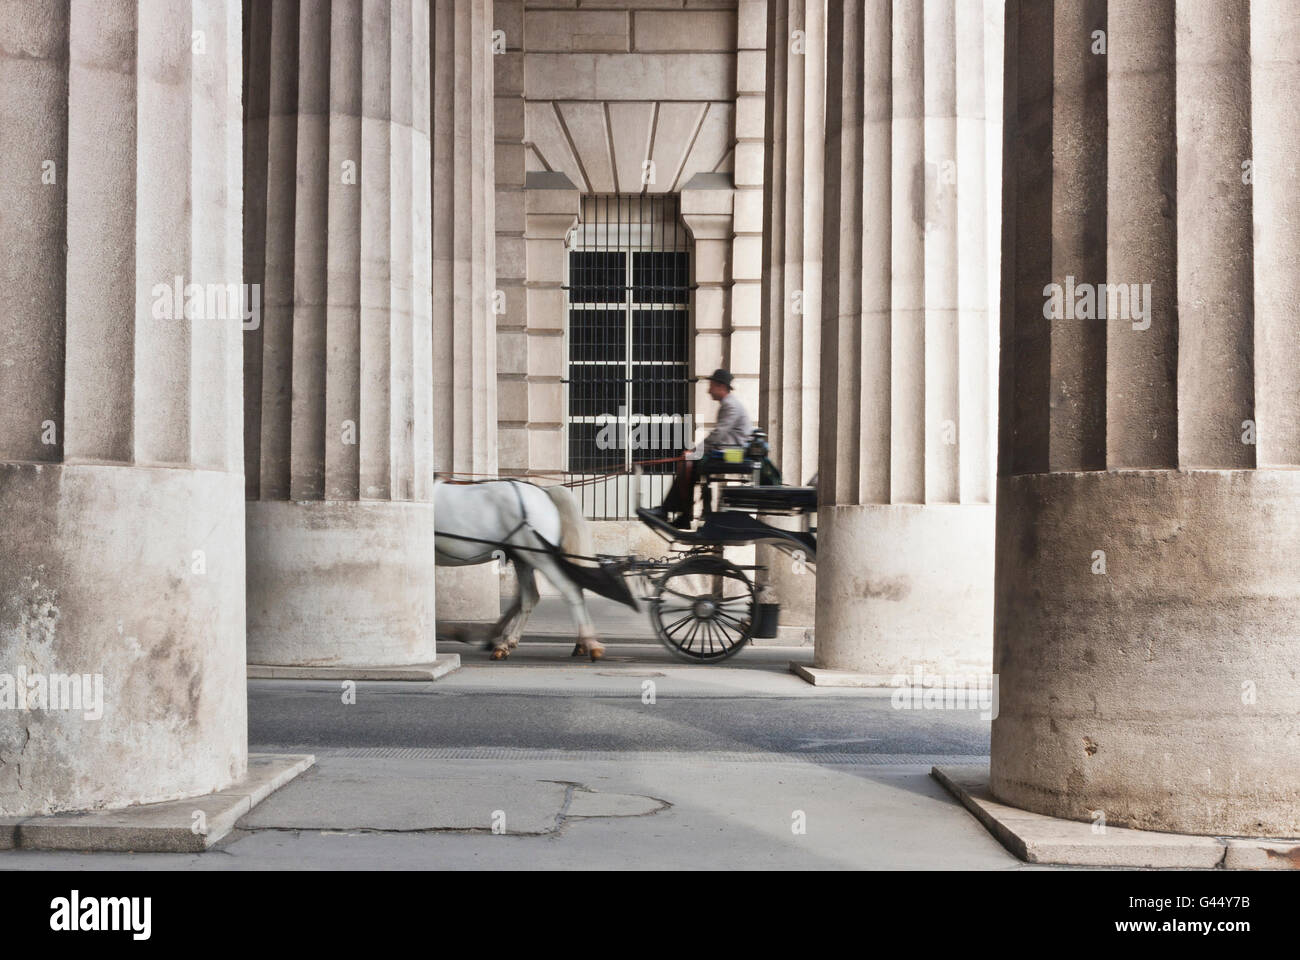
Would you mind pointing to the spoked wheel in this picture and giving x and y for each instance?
(703, 610)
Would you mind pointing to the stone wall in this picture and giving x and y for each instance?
(606, 96)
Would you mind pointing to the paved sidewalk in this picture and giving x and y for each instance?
(676, 813)
(735, 766)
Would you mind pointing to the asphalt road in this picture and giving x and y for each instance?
(486, 706)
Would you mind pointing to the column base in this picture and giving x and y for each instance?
(445, 663)
(905, 586)
(1146, 647)
(121, 596)
(158, 827)
(797, 636)
(1036, 838)
(341, 583)
(794, 586)
(468, 595)
(839, 678)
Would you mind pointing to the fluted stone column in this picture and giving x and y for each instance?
(122, 556)
(791, 303)
(1147, 586)
(904, 575)
(464, 268)
(339, 401)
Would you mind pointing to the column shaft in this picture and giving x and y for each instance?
(340, 393)
(792, 280)
(905, 520)
(122, 576)
(464, 326)
(1145, 591)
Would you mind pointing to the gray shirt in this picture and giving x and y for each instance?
(734, 426)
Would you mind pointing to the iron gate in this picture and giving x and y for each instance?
(628, 389)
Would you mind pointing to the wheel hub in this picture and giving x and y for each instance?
(704, 609)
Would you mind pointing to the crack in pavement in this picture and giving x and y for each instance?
(572, 788)
(563, 817)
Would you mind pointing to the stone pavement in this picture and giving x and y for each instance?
(734, 766)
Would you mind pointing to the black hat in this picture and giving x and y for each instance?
(721, 376)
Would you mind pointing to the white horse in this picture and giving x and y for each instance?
(534, 527)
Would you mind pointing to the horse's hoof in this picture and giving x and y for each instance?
(500, 653)
(578, 651)
(597, 653)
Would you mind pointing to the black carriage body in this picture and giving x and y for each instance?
(704, 607)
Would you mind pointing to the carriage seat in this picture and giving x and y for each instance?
(770, 499)
(741, 461)
(729, 461)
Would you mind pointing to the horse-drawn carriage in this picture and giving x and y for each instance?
(704, 606)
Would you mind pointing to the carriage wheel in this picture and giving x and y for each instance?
(703, 609)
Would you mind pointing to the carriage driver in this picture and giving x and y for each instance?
(734, 429)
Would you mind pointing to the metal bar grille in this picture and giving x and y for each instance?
(628, 295)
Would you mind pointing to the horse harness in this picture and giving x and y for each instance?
(504, 543)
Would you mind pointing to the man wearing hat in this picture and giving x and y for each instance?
(733, 429)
